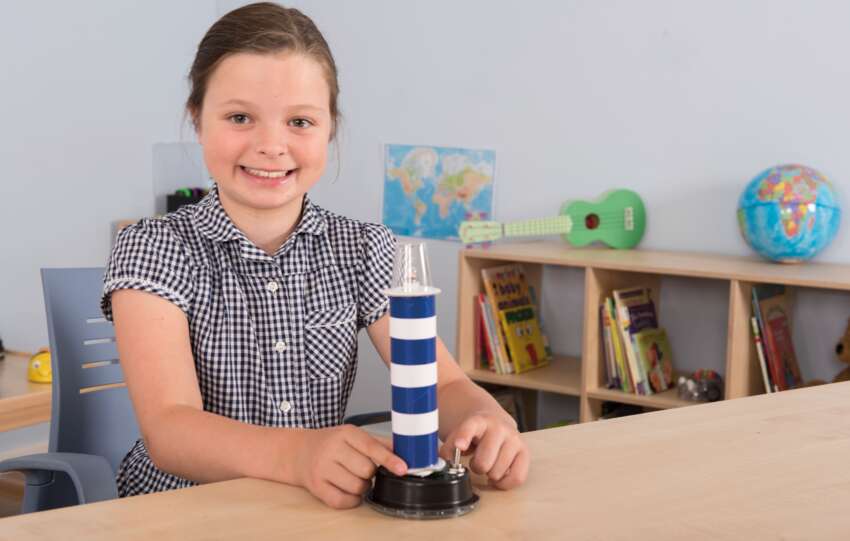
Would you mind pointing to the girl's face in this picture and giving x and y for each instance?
(264, 126)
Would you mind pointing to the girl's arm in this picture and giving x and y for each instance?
(470, 418)
(153, 344)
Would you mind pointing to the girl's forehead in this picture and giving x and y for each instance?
(270, 77)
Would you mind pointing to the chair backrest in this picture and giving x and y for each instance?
(91, 410)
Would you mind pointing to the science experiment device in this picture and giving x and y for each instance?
(431, 488)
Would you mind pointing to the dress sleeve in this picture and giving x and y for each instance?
(374, 273)
(147, 257)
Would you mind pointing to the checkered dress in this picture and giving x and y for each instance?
(274, 338)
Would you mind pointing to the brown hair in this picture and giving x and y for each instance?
(263, 28)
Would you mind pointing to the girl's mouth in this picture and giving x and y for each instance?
(266, 176)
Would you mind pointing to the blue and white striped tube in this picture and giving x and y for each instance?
(413, 333)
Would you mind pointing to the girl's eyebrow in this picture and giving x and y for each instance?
(302, 106)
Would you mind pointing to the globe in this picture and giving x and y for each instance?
(789, 213)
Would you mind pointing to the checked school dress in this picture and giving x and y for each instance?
(274, 338)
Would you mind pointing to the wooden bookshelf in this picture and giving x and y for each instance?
(605, 270)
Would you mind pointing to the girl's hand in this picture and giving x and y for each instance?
(337, 464)
(499, 452)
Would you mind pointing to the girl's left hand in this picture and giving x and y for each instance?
(499, 452)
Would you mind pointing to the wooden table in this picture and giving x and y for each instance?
(764, 467)
(22, 403)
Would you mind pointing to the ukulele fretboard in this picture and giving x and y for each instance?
(556, 225)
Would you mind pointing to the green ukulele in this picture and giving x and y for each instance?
(617, 219)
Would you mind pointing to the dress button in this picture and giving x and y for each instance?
(272, 286)
(280, 346)
(285, 406)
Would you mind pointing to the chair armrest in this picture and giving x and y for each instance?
(92, 475)
(371, 418)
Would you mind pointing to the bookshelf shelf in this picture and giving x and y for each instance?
(667, 399)
(562, 375)
(605, 270)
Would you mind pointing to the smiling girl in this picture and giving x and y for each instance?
(237, 318)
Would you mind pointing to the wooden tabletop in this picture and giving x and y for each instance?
(764, 467)
(22, 403)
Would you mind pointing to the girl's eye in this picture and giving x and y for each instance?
(238, 118)
(300, 123)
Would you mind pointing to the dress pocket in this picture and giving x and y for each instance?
(330, 340)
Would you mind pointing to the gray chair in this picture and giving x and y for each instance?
(92, 424)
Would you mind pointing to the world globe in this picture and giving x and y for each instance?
(789, 213)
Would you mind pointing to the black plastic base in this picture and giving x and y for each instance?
(442, 494)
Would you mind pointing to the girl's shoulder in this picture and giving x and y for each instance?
(172, 235)
(353, 233)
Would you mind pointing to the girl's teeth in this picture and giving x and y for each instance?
(265, 174)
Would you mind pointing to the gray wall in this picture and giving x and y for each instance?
(681, 101)
(88, 87)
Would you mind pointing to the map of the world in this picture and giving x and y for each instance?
(429, 191)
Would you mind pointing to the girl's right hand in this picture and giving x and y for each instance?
(337, 464)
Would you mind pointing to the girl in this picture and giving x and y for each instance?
(237, 318)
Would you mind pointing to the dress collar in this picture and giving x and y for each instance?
(214, 223)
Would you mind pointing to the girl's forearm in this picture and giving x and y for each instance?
(459, 399)
(205, 447)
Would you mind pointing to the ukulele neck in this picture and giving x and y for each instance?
(557, 225)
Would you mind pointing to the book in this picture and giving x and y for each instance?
(613, 376)
(533, 294)
(765, 374)
(635, 311)
(480, 360)
(775, 309)
(654, 351)
(626, 377)
(497, 363)
(516, 317)
(768, 359)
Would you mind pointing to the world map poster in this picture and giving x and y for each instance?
(429, 191)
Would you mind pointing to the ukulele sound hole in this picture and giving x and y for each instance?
(591, 221)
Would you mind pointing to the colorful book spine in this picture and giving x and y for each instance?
(768, 355)
(765, 375)
(626, 376)
(635, 300)
(486, 339)
(613, 379)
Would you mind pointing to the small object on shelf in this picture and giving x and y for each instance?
(184, 196)
(842, 352)
(617, 219)
(789, 213)
(703, 386)
(38, 370)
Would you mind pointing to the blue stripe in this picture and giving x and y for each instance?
(413, 351)
(416, 451)
(413, 307)
(415, 399)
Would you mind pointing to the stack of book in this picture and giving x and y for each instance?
(771, 322)
(637, 352)
(509, 337)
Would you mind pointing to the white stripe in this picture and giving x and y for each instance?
(413, 375)
(413, 329)
(420, 424)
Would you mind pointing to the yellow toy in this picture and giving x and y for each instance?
(39, 370)
(842, 351)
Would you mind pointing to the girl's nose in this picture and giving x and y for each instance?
(272, 141)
